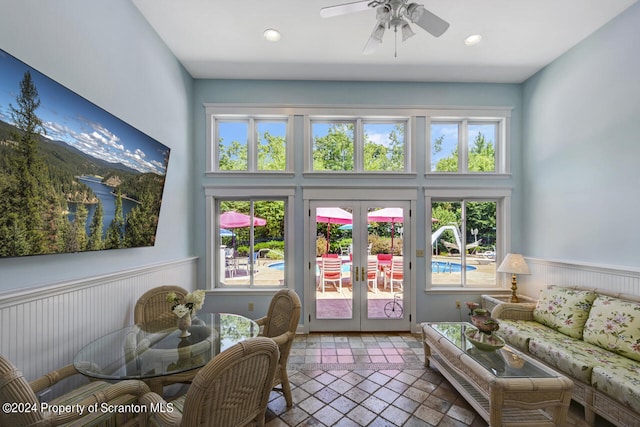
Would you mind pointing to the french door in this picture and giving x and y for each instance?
(359, 265)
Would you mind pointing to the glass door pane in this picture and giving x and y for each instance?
(386, 272)
(333, 259)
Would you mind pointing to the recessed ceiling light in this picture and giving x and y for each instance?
(473, 40)
(271, 35)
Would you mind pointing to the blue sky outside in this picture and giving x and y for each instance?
(81, 124)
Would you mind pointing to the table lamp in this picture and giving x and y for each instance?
(514, 264)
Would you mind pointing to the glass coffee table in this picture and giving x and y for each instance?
(505, 386)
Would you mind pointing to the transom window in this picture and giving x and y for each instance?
(467, 146)
(359, 145)
(250, 144)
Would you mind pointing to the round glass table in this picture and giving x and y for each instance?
(159, 356)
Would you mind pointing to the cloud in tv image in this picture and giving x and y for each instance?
(73, 177)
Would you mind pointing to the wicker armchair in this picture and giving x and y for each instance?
(14, 389)
(154, 311)
(231, 390)
(280, 324)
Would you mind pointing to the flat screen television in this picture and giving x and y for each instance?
(73, 177)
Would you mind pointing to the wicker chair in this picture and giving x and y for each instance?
(154, 311)
(280, 324)
(231, 390)
(15, 389)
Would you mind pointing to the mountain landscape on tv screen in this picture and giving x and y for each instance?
(73, 177)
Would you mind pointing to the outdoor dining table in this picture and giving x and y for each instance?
(160, 356)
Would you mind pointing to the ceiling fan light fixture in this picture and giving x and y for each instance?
(378, 32)
(271, 35)
(473, 40)
(406, 31)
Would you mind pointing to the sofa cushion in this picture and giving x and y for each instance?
(517, 333)
(563, 309)
(614, 324)
(574, 357)
(620, 381)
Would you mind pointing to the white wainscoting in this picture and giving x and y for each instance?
(43, 328)
(563, 273)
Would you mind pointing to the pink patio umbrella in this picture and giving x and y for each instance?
(333, 216)
(233, 219)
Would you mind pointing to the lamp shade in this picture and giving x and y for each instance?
(514, 264)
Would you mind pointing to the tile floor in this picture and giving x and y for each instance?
(346, 379)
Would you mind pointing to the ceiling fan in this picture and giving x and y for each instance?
(391, 14)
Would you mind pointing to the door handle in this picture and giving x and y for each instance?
(357, 276)
(364, 278)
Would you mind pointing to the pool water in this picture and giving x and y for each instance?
(448, 267)
(436, 267)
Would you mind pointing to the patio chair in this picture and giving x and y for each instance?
(280, 324)
(231, 390)
(372, 273)
(395, 275)
(15, 390)
(471, 247)
(331, 272)
(154, 311)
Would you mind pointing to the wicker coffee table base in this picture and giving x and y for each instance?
(501, 401)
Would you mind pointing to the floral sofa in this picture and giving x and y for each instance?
(592, 336)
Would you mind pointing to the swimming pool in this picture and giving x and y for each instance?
(436, 267)
(448, 267)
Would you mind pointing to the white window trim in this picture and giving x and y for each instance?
(358, 118)
(464, 118)
(503, 222)
(213, 193)
(251, 115)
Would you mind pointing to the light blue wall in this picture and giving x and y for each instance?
(582, 150)
(105, 51)
(378, 94)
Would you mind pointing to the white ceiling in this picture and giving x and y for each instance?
(223, 39)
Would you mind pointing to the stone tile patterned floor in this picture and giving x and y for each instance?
(344, 379)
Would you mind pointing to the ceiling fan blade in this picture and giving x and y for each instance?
(371, 46)
(343, 9)
(375, 40)
(427, 20)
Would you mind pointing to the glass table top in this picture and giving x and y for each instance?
(136, 352)
(505, 362)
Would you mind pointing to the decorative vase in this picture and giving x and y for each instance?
(184, 323)
(485, 324)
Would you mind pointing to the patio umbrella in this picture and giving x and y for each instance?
(225, 233)
(233, 219)
(332, 216)
(391, 215)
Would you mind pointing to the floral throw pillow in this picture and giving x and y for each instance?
(563, 309)
(614, 324)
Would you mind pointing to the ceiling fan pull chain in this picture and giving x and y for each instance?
(395, 42)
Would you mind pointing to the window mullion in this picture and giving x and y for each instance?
(252, 142)
(358, 146)
(463, 147)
